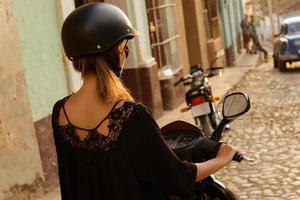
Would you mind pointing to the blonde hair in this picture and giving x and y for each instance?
(110, 87)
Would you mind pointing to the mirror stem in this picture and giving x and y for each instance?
(217, 134)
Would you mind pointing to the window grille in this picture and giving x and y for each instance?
(164, 35)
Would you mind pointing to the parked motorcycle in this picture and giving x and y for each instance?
(200, 101)
(188, 143)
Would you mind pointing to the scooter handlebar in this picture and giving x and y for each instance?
(239, 157)
(204, 149)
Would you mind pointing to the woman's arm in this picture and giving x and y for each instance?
(209, 167)
(155, 164)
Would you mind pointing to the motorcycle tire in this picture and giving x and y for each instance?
(206, 125)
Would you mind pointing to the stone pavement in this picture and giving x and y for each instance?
(220, 85)
(269, 132)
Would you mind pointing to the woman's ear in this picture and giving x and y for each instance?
(122, 45)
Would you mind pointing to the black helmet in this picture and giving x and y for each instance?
(95, 28)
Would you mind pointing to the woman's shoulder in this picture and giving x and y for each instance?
(137, 115)
(137, 108)
(124, 111)
(127, 116)
(130, 112)
(58, 104)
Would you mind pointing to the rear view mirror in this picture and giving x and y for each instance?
(235, 105)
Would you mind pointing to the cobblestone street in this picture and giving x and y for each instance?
(269, 132)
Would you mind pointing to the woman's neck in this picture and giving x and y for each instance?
(90, 91)
(89, 87)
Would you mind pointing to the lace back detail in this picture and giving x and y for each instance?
(94, 139)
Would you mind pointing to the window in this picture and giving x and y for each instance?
(293, 29)
(213, 8)
(211, 19)
(164, 36)
(208, 30)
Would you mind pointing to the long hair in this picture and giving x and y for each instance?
(109, 86)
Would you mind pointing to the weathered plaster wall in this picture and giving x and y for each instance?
(19, 155)
(39, 34)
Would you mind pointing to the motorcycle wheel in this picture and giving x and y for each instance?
(206, 125)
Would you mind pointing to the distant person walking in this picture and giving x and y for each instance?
(256, 43)
(245, 26)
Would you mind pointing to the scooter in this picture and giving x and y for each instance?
(189, 143)
(200, 101)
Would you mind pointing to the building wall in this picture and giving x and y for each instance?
(19, 156)
(224, 11)
(238, 19)
(233, 29)
(231, 15)
(39, 34)
(195, 34)
(38, 27)
(182, 39)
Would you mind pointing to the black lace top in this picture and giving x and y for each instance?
(132, 162)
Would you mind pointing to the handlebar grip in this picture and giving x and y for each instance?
(238, 157)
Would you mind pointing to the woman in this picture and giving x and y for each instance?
(108, 146)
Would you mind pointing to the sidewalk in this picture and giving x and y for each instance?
(220, 86)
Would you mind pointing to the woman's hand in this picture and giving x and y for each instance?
(224, 156)
(226, 153)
